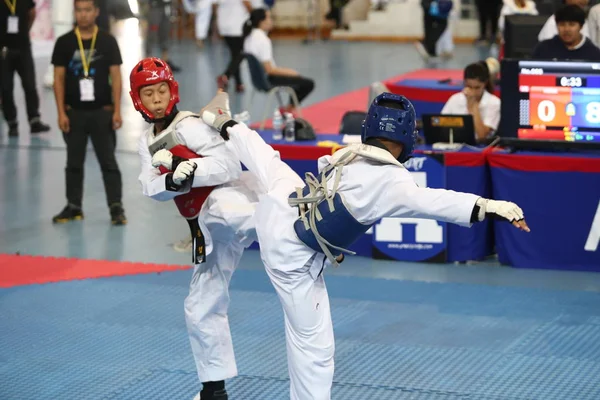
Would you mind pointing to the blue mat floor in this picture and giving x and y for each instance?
(125, 338)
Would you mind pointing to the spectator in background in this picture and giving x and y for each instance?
(477, 99)
(16, 19)
(488, 11)
(594, 24)
(158, 16)
(445, 45)
(202, 11)
(231, 16)
(103, 22)
(550, 30)
(87, 88)
(334, 16)
(570, 43)
(435, 22)
(257, 43)
(515, 7)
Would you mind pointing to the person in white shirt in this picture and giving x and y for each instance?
(516, 7)
(231, 15)
(477, 100)
(202, 10)
(549, 30)
(258, 44)
(594, 24)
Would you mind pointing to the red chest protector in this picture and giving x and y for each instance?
(189, 204)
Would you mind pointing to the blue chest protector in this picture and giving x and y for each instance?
(327, 226)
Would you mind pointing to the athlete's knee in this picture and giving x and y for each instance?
(200, 308)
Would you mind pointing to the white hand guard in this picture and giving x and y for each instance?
(217, 113)
(162, 157)
(503, 209)
(184, 171)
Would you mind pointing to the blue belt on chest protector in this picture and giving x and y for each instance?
(332, 226)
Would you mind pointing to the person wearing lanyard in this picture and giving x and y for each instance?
(86, 61)
(16, 18)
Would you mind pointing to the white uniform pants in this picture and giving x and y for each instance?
(294, 270)
(228, 215)
(203, 15)
(206, 313)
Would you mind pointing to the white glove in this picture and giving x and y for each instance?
(162, 157)
(217, 112)
(503, 209)
(184, 170)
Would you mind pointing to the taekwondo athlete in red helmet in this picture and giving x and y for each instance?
(183, 160)
(304, 225)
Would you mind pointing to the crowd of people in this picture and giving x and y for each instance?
(438, 16)
(571, 33)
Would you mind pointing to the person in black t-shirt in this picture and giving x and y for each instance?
(16, 18)
(570, 43)
(87, 86)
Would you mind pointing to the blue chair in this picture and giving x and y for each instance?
(260, 83)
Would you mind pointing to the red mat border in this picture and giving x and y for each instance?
(20, 270)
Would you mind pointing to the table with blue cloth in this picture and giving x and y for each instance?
(410, 239)
(560, 195)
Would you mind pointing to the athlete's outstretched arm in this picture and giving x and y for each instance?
(405, 199)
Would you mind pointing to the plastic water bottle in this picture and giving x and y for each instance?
(290, 127)
(277, 125)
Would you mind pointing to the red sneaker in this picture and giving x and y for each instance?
(222, 82)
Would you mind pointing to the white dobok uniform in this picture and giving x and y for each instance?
(226, 219)
(373, 186)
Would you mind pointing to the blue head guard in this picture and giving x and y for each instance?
(392, 116)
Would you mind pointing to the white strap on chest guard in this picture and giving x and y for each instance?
(318, 190)
(168, 138)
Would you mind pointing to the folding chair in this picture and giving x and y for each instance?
(260, 82)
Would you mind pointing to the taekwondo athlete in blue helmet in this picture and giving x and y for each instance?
(305, 225)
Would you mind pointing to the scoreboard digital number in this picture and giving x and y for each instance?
(571, 81)
(564, 107)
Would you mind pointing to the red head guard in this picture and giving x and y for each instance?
(151, 71)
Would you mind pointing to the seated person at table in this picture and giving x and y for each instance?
(570, 43)
(477, 100)
(550, 28)
(257, 43)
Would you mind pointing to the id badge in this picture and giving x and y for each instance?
(13, 24)
(86, 89)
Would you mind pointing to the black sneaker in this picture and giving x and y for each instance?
(69, 213)
(117, 214)
(37, 126)
(13, 130)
